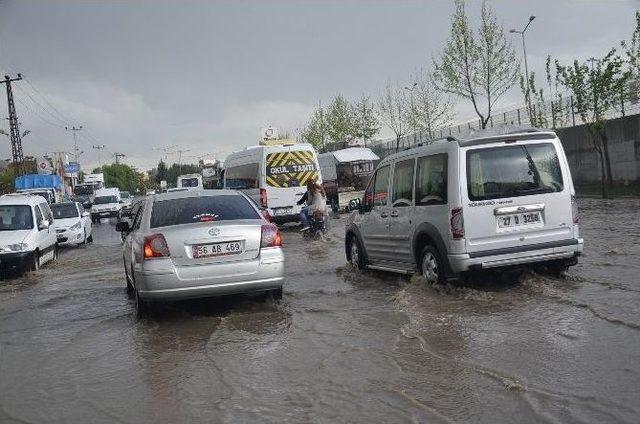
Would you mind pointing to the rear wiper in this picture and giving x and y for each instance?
(537, 190)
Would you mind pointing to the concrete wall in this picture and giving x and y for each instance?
(624, 150)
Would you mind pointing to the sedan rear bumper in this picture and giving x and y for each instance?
(212, 290)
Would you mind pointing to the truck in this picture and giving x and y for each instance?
(84, 192)
(48, 186)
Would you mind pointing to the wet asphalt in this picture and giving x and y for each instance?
(341, 346)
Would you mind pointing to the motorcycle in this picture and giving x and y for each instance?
(318, 225)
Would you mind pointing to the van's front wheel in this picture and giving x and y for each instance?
(431, 266)
(356, 256)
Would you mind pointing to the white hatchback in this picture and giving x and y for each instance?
(72, 223)
(27, 236)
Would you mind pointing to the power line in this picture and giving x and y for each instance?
(64, 117)
(42, 107)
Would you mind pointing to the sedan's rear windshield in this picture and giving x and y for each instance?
(189, 182)
(201, 209)
(512, 171)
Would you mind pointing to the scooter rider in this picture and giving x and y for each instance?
(308, 199)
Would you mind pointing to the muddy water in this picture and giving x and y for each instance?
(341, 346)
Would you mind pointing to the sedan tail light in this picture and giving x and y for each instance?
(155, 246)
(457, 223)
(574, 210)
(270, 236)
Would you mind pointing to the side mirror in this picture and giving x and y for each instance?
(44, 225)
(355, 205)
(123, 227)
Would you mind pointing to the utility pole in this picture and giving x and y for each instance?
(99, 148)
(118, 156)
(526, 68)
(180, 152)
(74, 130)
(16, 141)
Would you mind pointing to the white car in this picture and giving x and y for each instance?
(27, 236)
(72, 224)
(106, 204)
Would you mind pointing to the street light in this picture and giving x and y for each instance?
(524, 50)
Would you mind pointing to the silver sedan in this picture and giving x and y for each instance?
(203, 243)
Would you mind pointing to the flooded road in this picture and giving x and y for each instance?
(341, 346)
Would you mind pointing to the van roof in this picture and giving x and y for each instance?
(486, 136)
(189, 176)
(21, 199)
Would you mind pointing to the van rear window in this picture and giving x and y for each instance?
(512, 171)
(291, 168)
(188, 210)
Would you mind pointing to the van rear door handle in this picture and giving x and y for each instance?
(394, 214)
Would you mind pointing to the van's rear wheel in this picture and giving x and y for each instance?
(431, 266)
(35, 263)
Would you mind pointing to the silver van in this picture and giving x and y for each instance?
(458, 205)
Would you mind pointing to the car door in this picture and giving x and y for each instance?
(49, 234)
(129, 248)
(375, 219)
(401, 212)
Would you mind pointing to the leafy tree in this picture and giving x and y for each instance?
(478, 67)
(595, 90)
(429, 108)
(632, 49)
(161, 171)
(316, 130)
(7, 180)
(366, 124)
(123, 177)
(393, 111)
(340, 120)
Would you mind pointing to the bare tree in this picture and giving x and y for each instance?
(480, 68)
(392, 108)
(429, 108)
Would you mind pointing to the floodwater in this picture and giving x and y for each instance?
(341, 346)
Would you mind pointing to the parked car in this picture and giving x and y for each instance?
(106, 204)
(202, 243)
(125, 200)
(27, 237)
(72, 223)
(453, 206)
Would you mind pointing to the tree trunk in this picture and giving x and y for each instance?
(606, 161)
(603, 178)
(397, 143)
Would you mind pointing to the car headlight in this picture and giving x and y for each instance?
(76, 226)
(16, 247)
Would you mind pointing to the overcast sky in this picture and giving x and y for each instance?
(207, 75)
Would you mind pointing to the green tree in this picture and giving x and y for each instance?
(366, 124)
(123, 177)
(393, 111)
(340, 121)
(478, 67)
(429, 108)
(7, 180)
(161, 172)
(316, 130)
(595, 88)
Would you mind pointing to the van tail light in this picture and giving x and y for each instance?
(270, 236)
(574, 210)
(263, 197)
(457, 223)
(155, 246)
(266, 215)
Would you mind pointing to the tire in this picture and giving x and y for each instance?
(84, 241)
(55, 253)
(90, 238)
(35, 261)
(141, 306)
(128, 278)
(431, 265)
(356, 253)
(276, 294)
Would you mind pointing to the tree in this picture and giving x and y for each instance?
(123, 177)
(595, 90)
(429, 108)
(365, 120)
(340, 121)
(632, 49)
(393, 111)
(478, 68)
(161, 172)
(315, 132)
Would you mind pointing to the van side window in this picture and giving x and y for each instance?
(242, 176)
(367, 201)
(402, 188)
(137, 218)
(381, 186)
(46, 212)
(39, 218)
(431, 180)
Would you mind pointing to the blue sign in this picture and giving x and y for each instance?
(72, 168)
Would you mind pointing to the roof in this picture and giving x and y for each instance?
(189, 176)
(355, 154)
(38, 181)
(21, 199)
